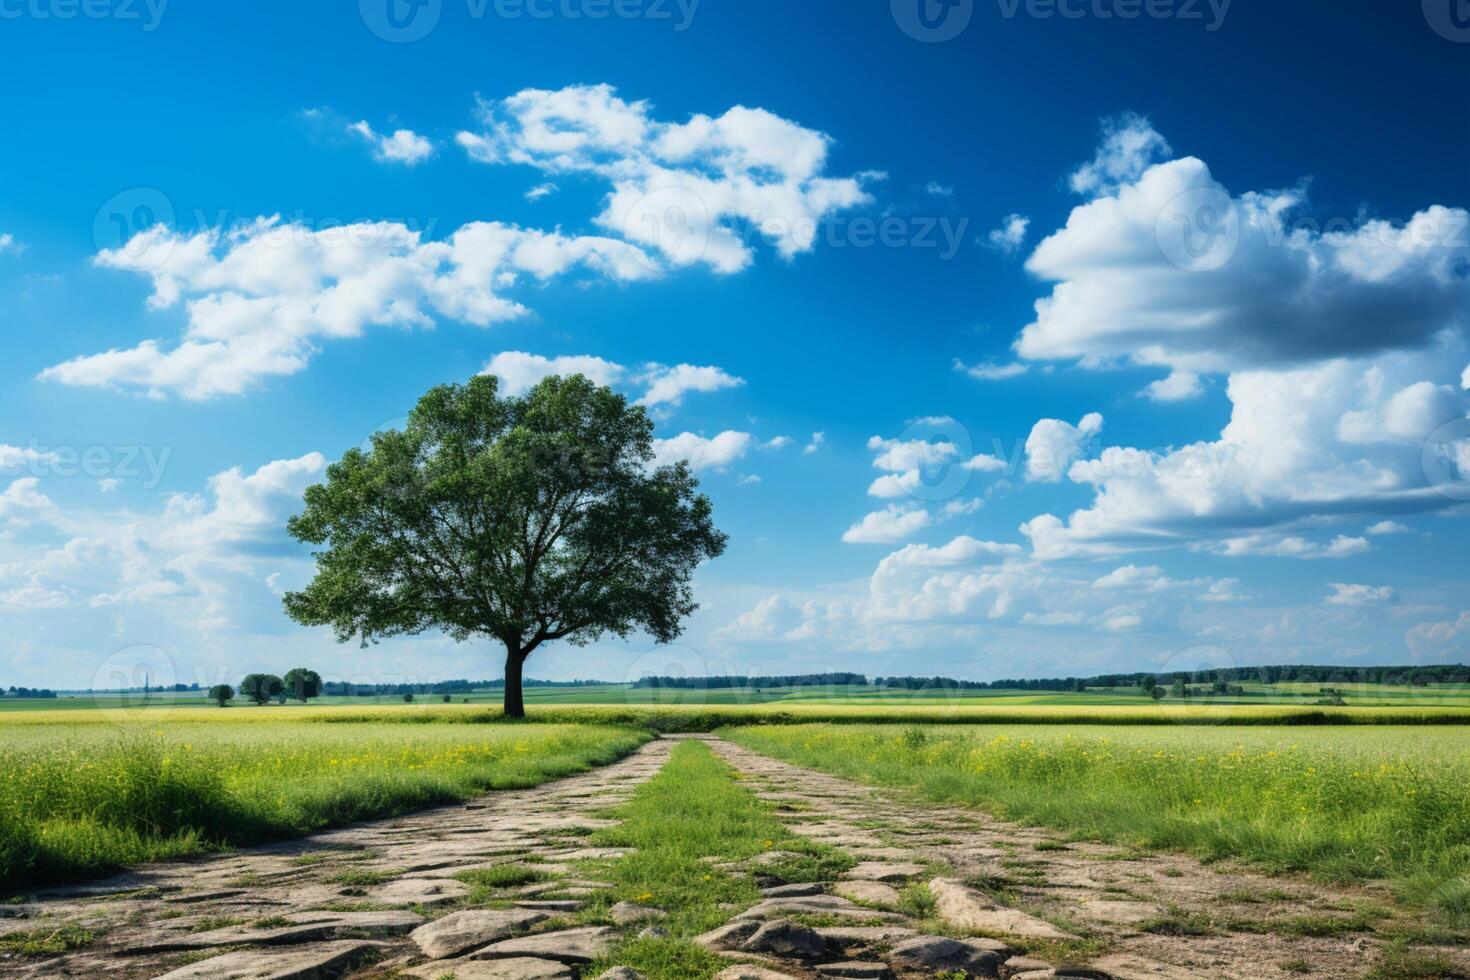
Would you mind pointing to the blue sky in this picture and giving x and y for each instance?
(1133, 342)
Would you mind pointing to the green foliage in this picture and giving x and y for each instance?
(1346, 805)
(302, 683)
(83, 800)
(45, 941)
(221, 694)
(260, 688)
(521, 520)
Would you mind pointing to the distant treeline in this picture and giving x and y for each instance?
(456, 686)
(26, 692)
(781, 680)
(1218, 678)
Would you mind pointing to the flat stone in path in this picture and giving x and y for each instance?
(747, 972)
(784, 938)
(962, 906)
(888, 871)
(569, 945)
(459, 931)
(845, 936)
(728, 936)
(854, 970)
(304, 927)
(871, 892)
(516, 968)
(793, 891)
(1125, 913)
(627, 913)
(428, 892)
(935, 954)
(306, 963)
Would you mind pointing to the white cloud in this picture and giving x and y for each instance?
(9, 245)
(541, 190)
(260, 299)
(23, 502)
(700, 452)
(1312, 445)
(681, 189)
(1122, 621)
(1345, 594)
(1009, 236)
(198, 550)
(519, 371)
(1178, 386)
(1145, 275)
(817, 439)
(1129, 145)
(894, 523)
(108, 484)
(1053, 445)
(1388, 527)
(990, 371)
(1443, 641)
(670, 384)
(401, 146)
(776, 442)
(936, 189)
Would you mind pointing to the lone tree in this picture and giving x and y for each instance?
(303, 683)
(520, 520)
(222, 693)
(260, 688)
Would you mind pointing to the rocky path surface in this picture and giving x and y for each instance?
(934, 891)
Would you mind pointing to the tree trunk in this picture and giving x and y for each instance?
(515, 704)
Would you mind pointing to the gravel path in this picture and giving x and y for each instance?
(379, 900)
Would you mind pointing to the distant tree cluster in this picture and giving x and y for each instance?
(779, 680)
(26, 692)
(300, 683)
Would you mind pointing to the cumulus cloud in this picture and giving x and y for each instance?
(893, 523)
(1327, 443)
(9, 245)
(1443, 641)
(817, 439)
(23, 502)
(1129, 145)
(401, 146)
(1178, 386)
(1387, 527)
(700, 452)
(1346, 594)
(680, 189)
(1008, 237)
(260, 299)
(1053, 445)
(198, 550)
(670, 384)
(519, 371)
(1166, 267)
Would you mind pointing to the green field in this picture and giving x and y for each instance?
(1282, 695)
(83, 799)
(1385, 803)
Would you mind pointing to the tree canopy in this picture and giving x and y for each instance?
(260, 688)
(521, 520)
(303, 683)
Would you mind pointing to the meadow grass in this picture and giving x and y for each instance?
(708, 717)
(82, 800)
(1387, 804)
(695, 808)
